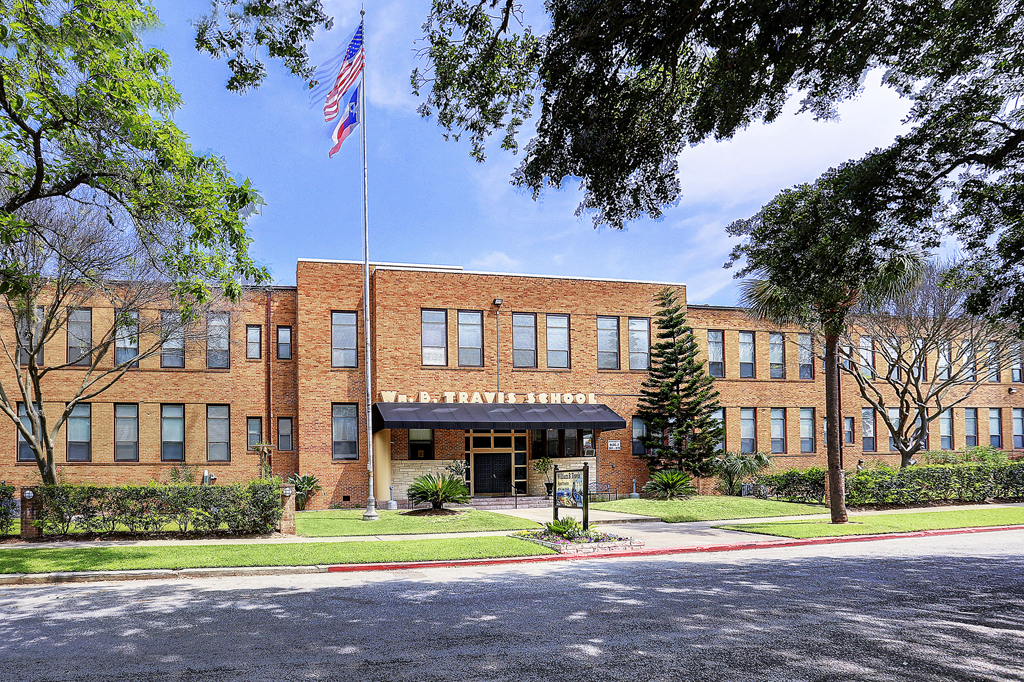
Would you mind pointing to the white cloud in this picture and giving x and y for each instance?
(495, 261)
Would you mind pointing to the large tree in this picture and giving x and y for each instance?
(678, 400)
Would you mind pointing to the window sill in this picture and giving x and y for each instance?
(344, 461)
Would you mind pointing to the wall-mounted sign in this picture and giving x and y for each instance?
(484, 397)
(615, 445)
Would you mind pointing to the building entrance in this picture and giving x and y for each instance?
(498, 461)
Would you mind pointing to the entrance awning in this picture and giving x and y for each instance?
(494, 416)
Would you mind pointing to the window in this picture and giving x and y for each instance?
(421, 444)
(946, 429)
(218, 433)
(471, 338)
(607, 343)
(848, 427)
(284, 434)
(805, 352)
(1018, 428)
(343, 339)
(218, 355)
(126, 433)
(892, 353)
(558, 341)
(716, 353)
(778, 430)
(80, 336)
(995, 427)
(867, 429)
(434, 337)
(639, 431)
(806, 429)
(172, 352)
(524, 340)
(1016, 370)
(566, 442)
(746, 355)
(748, 430)
(126, 339)
(894, 419)
(80, 433)
(253, 431)
(253, 342)
(845, 357)
(919, 363)
(719, 416)
(25, 453)
(867, 357)
(970, 362)
(30, 336)
(639, 343)
(776, 355)
(284, 343)
(993, 363)
(942, 362)
(172, 433)
(971, 427)
(345, 430)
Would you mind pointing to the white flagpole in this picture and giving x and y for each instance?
(371, 503)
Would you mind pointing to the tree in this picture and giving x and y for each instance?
(678, 399)
(933, 353)
(811, 254)
(85, 115)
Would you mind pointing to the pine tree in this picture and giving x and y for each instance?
(678, 399)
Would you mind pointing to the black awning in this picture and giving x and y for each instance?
(494, 416)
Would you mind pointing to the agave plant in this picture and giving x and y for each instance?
(306, 486)
(734, 467)
(670, 484)
(438, 490)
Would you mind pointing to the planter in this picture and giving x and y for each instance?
(549, 487)
(620, 545)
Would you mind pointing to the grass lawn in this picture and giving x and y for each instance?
(342, 522)
(709, 508)
(887, 523)
(43, 560)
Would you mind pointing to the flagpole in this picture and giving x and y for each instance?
(371, 503)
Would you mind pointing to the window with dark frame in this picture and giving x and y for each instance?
(807, 429)
(607, 342)
(126, 432)
(563, 443)
(639, 432)
(848, 426)
(995, 427)
(778, 430)
(30, 333)
(172, 433)
(284, 434)
(557, 329)
(867, 429)
(421, 444)
(776, 355)
(126, 338)
(719, 416)
(942, 362)
(994, 375)
(172, 351)
(471, 338)
(284, 342)
(253, 342)
(434, 337)
(894, 419)
(748, 430)
(805, 355)
(218, 433)
(639, 343)
(971, 427)
(344, 431)
(79, 430)
(524, 340)
(746, 355)
(946, 429)
(970, 368)
(1018, 427)
(25, 452)
(344, 339)
(80, 337)
(1016, 371)
(218, 353)
(716, 353)
(253, 431)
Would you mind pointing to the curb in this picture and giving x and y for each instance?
(164, 574)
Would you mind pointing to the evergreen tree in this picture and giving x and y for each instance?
(678, 399)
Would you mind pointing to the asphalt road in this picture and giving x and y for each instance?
(948, 608)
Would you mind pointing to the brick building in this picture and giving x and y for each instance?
(490, 369)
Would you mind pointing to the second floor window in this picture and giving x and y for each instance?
(777, 355)
(343, 339)
(30, 336)
(716, 353)
(172, 433)
(253, 342)
(993, 362)
(867, 357)
(434, 337)
(847, 429)
(558, 341)
(942, 362)
(25, 452)
(80, 336)
(126, 433)
(172, 352)
(471, 338)
(607, 343)
(80, 433)
(284, 434)
(253, 431)
(995, 427)
(284, 343)
(218, 355)
(806, 429)
(524, 340)
(639, 343)
(746, 355)
(867, 429)
(1016, 370)
(126, 340)
(946, 430)
(805, 353)
(970, 367)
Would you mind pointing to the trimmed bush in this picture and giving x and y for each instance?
(8, 508)
(807, 486)
(670, 484)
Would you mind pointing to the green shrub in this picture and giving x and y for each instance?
(438, 490)
(8, 508)
(306, 486)
(569, 528)
(670, 484)
(807, 486)
(733, 468)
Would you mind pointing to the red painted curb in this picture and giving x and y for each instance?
(731, 547)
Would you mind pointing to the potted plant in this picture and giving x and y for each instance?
(543, 466)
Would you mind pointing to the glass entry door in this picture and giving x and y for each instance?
(498, 460)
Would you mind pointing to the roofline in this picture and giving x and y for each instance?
(386, 265)
(711, 306)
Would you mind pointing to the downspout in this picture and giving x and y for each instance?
(270, 381)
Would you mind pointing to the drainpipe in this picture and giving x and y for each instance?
(270, 381)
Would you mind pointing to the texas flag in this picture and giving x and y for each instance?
(347, 121)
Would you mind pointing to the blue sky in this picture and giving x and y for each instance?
(429, 202)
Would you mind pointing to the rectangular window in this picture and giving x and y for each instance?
(345, 431)
(806, 355)
(172, 433)
(524, 340)
(80, 336)
(80, 433)
(776, 355)
(719, 416)
(716, 353)
(920, 360)
(848, 427)
(434, 337)
(970, 369)
(471, 338)
(607, 343)
(995, 427)
(639, 343)
(946, 429)
(172, 352)
(30, 336)
(284, 343)
(806, 429)
(942, 362)
(971, 427)
(343, 339)
(218, 353)
(421, 444)
(1018, 428)
(253, 342)
(748, 430)
(845, 357)
(218, 433)
(894, 419)
(639, 431)
(284, 434)
(867, 357)
(867, 429)
(25, 453)
(126, 433)
(126, 338)
(746, 355)
(1016, 370)
(892, 353)
(992, 360)
(778, 430)
(558, 341)
(253, 431)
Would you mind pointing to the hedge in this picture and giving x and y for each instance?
(246, 508)
(963, 482)
(8, 508)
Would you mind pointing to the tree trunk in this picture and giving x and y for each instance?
(47, 471)
(836, 491)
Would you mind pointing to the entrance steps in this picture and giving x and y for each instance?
(524, 502)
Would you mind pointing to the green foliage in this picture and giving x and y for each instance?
(733, 468)
(670, 484)
(981, 453)
(807, 485)
(569, 528)
(8, 508)
(246, 508)
(438, 490)
(182, 474)
(678, 398)
(306, 486)
(544, 466)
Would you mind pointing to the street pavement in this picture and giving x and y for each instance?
(917, 609)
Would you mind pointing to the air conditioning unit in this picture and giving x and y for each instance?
(589, 452)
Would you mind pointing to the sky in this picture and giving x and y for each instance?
(429, 202)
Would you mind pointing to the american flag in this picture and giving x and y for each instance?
(330, 85)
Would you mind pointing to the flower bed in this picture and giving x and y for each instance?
(592, 543)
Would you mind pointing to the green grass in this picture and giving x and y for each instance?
(887, 523)
(348, 522)
(44, 560)
(709, 508)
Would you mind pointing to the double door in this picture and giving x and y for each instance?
(498, 460)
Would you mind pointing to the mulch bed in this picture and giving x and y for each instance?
(433, 512)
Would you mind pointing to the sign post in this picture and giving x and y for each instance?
(572, 491)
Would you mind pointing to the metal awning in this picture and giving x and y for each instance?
(494, 416)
